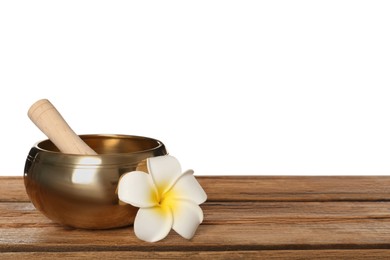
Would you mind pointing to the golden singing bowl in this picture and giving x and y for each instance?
(80, 190)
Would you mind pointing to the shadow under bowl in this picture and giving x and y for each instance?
(81, 190)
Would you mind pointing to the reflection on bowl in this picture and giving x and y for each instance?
(80, 190)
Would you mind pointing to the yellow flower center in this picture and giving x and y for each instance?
(167, 200)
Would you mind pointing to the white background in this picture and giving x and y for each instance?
(230, 87)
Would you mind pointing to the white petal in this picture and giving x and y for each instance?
(188, 188)
(137, 189)
(165, 170)
(153, 224)
(186, 218)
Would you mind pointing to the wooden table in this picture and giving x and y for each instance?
(245, 217)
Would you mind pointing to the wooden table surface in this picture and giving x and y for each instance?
(245, 217)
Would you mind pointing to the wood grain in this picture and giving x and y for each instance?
(264, 188)
(245, 217)
(217, 255)
(296, 188)
(12, 189)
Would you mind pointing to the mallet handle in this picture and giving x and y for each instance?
(52, 124)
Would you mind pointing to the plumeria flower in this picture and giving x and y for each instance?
(166, 197)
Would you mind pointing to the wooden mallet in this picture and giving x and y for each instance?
(46, 117)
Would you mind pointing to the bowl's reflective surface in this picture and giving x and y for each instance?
(80, 190)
